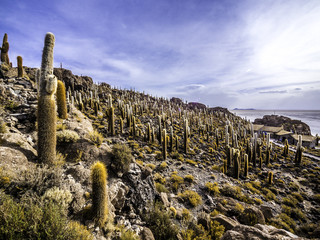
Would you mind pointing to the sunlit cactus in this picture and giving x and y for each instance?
(99, 193)
(164, 145)
(47, 105)
(61, 100)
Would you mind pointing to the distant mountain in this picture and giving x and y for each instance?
(244, 109)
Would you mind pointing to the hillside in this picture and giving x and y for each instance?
(174, 170)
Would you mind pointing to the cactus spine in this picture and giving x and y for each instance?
(61, 100)
(47, 105)
(5, 50)
(99, 193)
(20, 68)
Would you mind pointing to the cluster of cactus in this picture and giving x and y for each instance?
(5, 50)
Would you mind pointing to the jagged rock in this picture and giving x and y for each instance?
(270, 210)
(141, 191)
(164, 199)
(146, 234)
(204, 219)
(80, 174)
(252, 216)
(75, 82)
(227, 222)
(117, 193)
(258, 232)
(196, 105)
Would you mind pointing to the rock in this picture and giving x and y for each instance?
(227, 222)
(80, 174)
(73, 81)
(270, 210)
(117, 193)
(146, 234)
(274, 231)
(204, 220)
(252, 216)
(164, 199)
(19, 141)
(141, 191)
(258, 232)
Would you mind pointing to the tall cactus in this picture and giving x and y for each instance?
(246, 166)
(186, 136)
(99, 193)
(164, 145)
(47, 105)
(20, 68)
(5, 50)
(61, 100)
(236, 165)
(299, 151)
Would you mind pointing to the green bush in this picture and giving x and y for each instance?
(191, 196)
(213, 188)
(41, 220)
(67, 136)
(96, 138)
(121, 158)
(159, 222)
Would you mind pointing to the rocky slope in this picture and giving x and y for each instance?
(197, 197)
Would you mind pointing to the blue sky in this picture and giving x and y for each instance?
(235, 53)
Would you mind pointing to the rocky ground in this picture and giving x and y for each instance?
(195, 195)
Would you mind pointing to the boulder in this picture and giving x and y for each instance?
(227, 222)
(257, 232)
(252, 216)
(117, 193)
(146, 234)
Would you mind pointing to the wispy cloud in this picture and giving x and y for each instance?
(231, 54)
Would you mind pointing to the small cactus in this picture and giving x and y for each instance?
(236, 165)
(299, 151)
(20, 68)
(270, 178)
(61, 100)
(99, 193)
